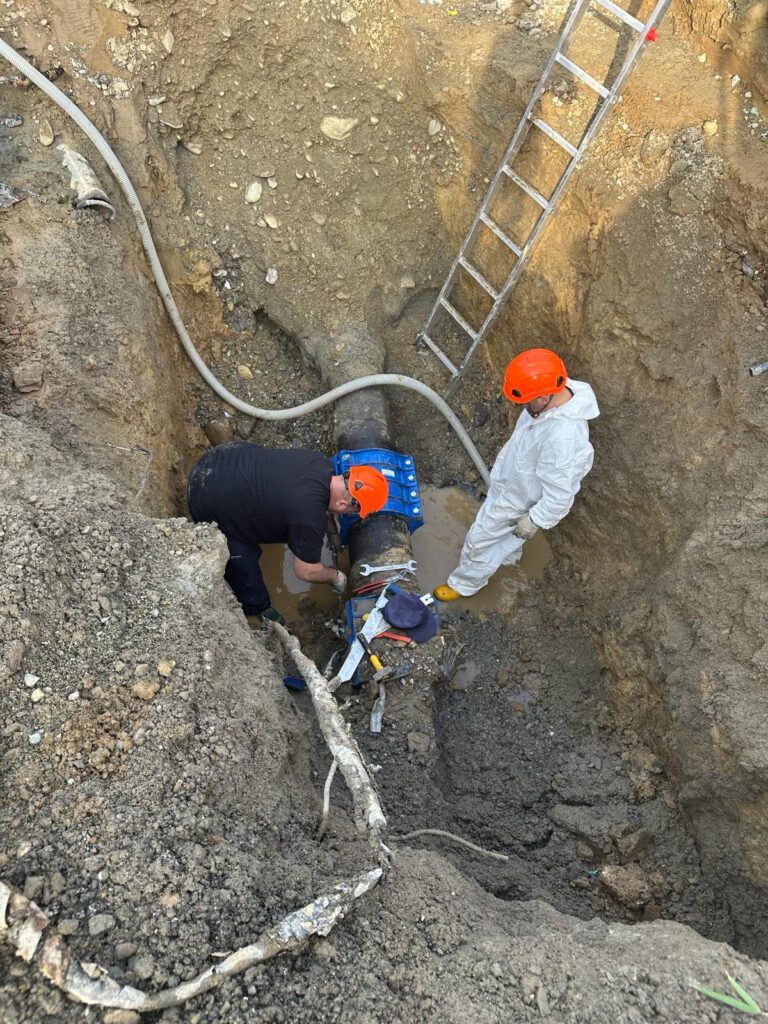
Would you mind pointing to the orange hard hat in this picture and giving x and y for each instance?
(368, 487)
(533, 374)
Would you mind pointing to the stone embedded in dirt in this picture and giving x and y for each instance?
(319, 218)
(33, 887)
(121, 1017)
(418, 743)
(271, 276)
(271, 221)
(35, 737)
(165, 666)
(272, 182)
(146, 689)
(629, 885)
(14, 655)
(100, 923)
(28, 376)
(338, 128)
(192, 147)
(681, 201)
(709, 127)
(46, 135)
(407, 281)
(347, 15)
(253, 192)
(584, 851)
(37, 695)
(168, 41)
(465, 675)
(245, 372)
(435, 126)
(11, 121)
(125, 950)
(68, 925)
(143, 966)
(635, 845)
(219, 431)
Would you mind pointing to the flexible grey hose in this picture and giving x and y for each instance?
(374, 380)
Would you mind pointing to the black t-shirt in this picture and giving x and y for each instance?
(264, 495)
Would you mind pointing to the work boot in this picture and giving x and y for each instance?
(446, 593)
(271, 613)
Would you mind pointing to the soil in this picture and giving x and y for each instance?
(605, 731)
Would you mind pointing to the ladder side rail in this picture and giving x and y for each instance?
(603, 108)
(577, 13)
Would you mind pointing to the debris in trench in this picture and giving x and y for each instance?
(369, 815)
(628, 884)
(28, 377)
(22, 924)
(46, 135)
(338, 128)
(453, 838)
(327, 799)
(253, 192)
(84, 182)
(12, 194)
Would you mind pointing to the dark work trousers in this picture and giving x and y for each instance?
(243, 574)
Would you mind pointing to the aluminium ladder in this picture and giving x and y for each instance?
(606, 98)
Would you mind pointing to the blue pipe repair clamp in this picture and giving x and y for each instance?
(403, 499)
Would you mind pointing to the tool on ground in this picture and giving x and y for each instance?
(377, 711)
(382, 672)
(373, 624)
(484, 228)
(399, 638)
(366, 570)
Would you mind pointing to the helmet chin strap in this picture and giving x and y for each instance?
(544, 408)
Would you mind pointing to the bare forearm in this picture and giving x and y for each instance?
(314, 572)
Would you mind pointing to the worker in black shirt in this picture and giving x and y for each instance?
(277, 495)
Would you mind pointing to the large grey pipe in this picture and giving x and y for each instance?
(362, 420)
(117, 169)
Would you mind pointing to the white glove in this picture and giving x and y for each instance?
(525, 528)
(340, 583)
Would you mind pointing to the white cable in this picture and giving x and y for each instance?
(374, 380)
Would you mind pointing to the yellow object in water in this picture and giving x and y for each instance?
(446, 593)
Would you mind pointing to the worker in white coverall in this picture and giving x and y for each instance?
(537, 473)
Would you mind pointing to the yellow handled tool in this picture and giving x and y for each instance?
(381, 672)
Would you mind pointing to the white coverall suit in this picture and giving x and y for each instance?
(539, 471)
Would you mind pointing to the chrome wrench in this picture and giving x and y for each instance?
(366, 570)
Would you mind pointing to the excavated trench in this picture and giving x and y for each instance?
(597, 715)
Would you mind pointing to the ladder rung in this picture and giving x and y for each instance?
(582, 74)
(555, 136)
(529, 189)
(459, 318)
(621, 14)
(439, 353)
(500, 235)
(474, 272)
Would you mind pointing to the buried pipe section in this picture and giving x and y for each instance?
(362, 423)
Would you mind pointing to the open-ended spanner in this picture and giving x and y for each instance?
(366, 570)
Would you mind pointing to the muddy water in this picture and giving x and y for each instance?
(285, 587)
(448, 514)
